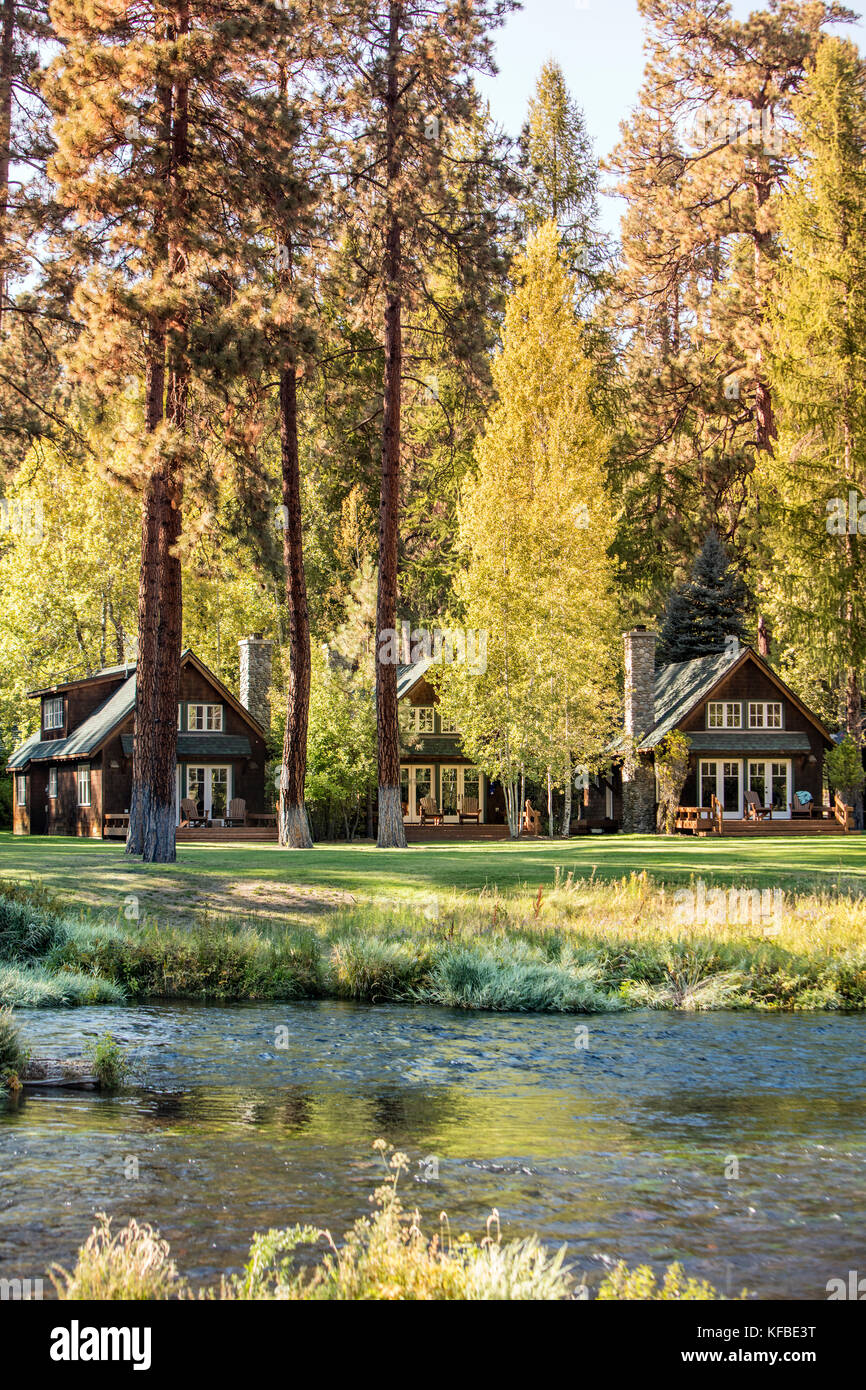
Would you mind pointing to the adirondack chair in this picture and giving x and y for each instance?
(237, 812)
(189, 815)
(754, 809)
(467, 809)
(802, 804)
(531, 820)
(430, 813)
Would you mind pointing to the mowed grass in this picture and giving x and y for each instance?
(297, 885)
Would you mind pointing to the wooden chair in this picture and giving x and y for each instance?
(189, 815)
(430, 813)
(754, 809)
(531, 820)
(802, 805)
(237, 812)
(467, 809)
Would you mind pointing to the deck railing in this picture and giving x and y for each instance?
(844, 814)
(699, 819)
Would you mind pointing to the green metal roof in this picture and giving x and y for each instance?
(748, 741)
(680, 686)
(84, 740)
(205, 746)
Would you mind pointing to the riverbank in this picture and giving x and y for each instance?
(581, 946)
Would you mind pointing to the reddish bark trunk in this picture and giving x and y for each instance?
(7, 43)
(294, 828)
(392, 834)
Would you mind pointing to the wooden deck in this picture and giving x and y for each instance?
(837, 819)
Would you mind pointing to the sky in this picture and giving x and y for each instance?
(599, 45)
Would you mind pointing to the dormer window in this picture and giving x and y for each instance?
(724, 714)
(201, 718)
(765, 714)
(421, 719)
(52, 713)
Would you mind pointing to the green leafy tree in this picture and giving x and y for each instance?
(813, 525)
(535, 523)
(672, 769)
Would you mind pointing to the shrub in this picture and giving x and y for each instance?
(13, 1054)
(134, 1264)
(641, 1284)
(109, 1060)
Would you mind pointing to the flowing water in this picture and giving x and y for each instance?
(733, 1142)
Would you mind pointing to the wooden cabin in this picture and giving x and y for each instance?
(74, 775)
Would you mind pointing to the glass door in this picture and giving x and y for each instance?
(415, 784)
(208, 787)
(723, 780)
(771, 783)
(458, 782)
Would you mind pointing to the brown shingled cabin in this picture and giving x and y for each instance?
(74, 776)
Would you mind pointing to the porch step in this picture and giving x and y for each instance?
(431, 834)
(783, 827)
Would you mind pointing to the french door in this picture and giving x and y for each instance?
(456, 782)
(771, 783)
(210, 788)
(415, 784)
(722, 779)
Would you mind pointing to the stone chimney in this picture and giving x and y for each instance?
(255, 664)
(640, 661)
(638, 772)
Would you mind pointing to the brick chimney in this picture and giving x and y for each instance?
(638, 772)
(255, 671)
(640, 661)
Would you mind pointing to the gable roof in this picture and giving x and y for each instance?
(409, 676)
(681, 685)
(90, 735)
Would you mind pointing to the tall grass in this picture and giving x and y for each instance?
(385, 1256)
(585, 947)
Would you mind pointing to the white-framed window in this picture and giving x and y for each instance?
(765, 714)
(205, 718)
(22, 789)
(449, 726)
(421, 719)
(84, 784)
(724, 714)
(52, 784)
(52, 717)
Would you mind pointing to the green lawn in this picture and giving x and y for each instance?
(270, 881)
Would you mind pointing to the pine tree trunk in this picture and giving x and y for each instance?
(7, 48)
(765, 425)
(392, 834)
(549, 804)
(161, 812)
(148, 607)
(763, 638)
(294, 828)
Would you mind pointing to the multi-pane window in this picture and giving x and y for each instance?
(52, 784)
(22, 791)
(724, 714)
(205, 717)
(84, 784)
(765, 714)
(421, 719)
(52, 717)
(449, 726)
